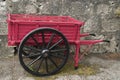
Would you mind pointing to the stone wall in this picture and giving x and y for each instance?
(4, 49)
(101, 17)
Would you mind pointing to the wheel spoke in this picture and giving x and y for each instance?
(33, 48)
(46, 64)
(35, 40)
(56, 44)
(40, 65)
(53, 62)
(31, 55)
(32, 62)
(58, 50)
(51, 38)
(25, 53)
(43, 39)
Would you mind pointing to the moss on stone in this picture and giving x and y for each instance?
(117, 12)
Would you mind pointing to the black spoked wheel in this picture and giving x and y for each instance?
(43, 51)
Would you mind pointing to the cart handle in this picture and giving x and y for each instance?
(106, 41)
(92, 34)
(86, 34)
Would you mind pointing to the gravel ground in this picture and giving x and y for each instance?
(10, 69)
(109, 70)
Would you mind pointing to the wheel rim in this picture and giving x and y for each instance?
(44, 55)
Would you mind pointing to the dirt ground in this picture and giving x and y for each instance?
(92, 67)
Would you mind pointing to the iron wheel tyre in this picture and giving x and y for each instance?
(48, 48)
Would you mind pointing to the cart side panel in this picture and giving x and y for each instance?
(23, 29)
(16, 31)
(11, 33)
(70, 32)
(19, 30)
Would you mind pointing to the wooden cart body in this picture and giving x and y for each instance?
(20, 25)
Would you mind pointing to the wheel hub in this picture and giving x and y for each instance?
(45, 52)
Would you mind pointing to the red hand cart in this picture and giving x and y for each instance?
(44, 41)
